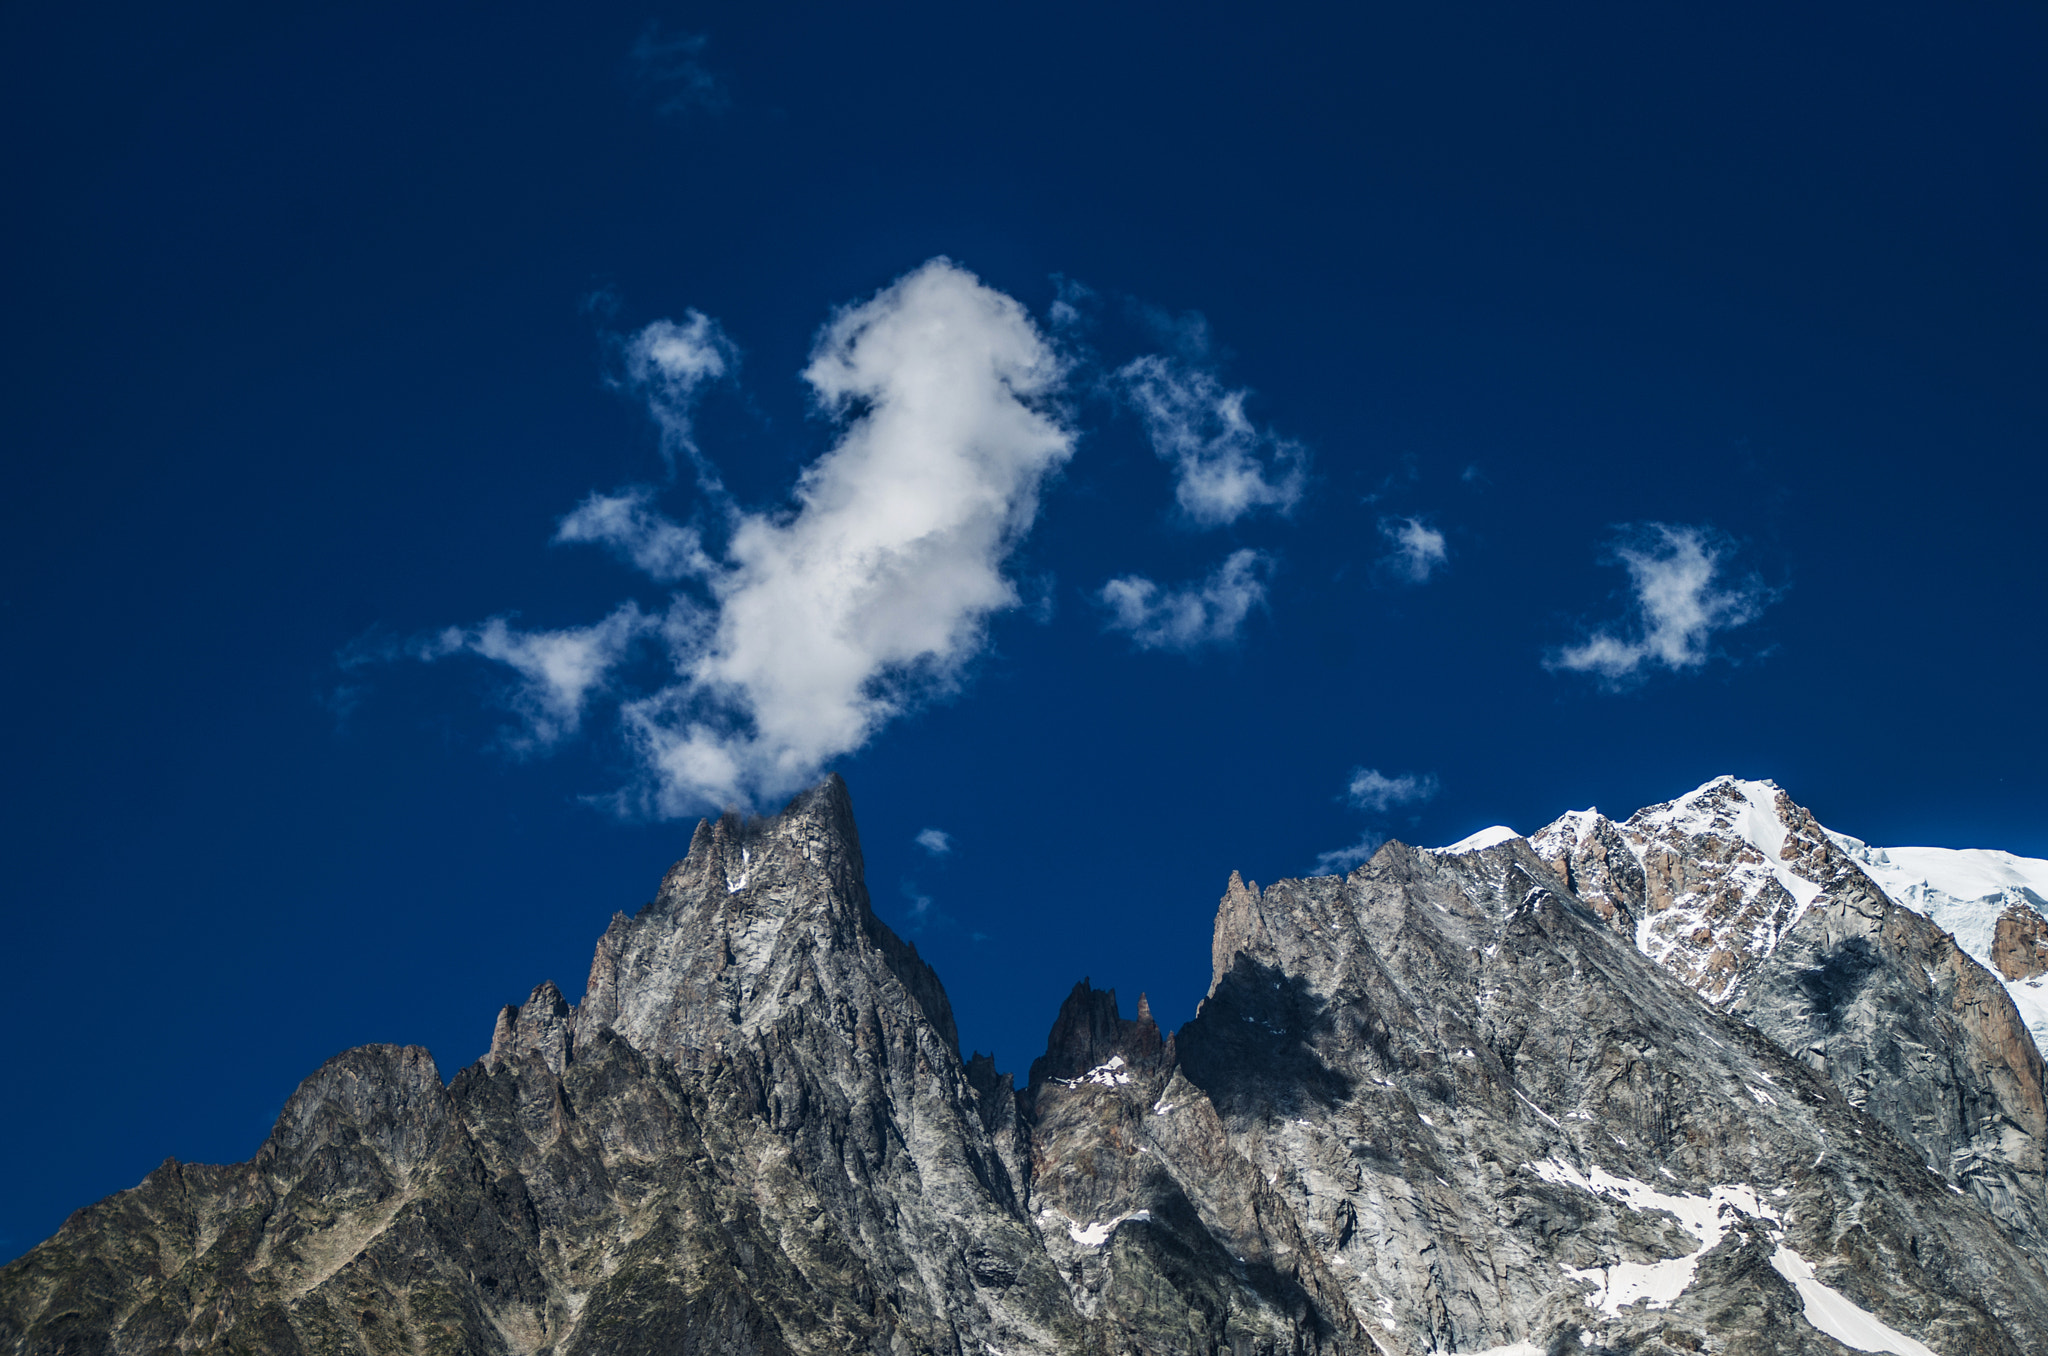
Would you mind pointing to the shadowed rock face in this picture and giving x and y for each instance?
(1441, 1104)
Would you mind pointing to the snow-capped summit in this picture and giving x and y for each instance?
(1719, 876)
(1709, 884)
(1478, 842)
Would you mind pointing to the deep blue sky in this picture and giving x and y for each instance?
(312, 336)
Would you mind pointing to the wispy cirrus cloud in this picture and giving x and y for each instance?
(1682, 595)
(1211, 611)
(1342, 861)
(1371, 789)
(669, 365)
(811, 627)
(669, 69)
(1418, 549)
(558, 671)
(1224, 466)
(628, 523)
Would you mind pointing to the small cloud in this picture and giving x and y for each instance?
(669, 70)
(1418, 549)
(1373, 790)
(1211, 612)
(633, 528)
(1376, 793)
(1472, 475)
(1681, 599)
(1073, 303)
(1224, 467)
(669, 365)
(1341, 861)
(935, 841)
(559, 671)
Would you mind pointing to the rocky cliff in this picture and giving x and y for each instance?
(1445, 1103)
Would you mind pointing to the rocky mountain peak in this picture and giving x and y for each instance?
(540, 1026)
(762, 915)
(1091, 1039)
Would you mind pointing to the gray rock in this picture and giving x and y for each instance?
(1442, 1104)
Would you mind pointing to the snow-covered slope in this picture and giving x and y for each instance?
(1983, 897)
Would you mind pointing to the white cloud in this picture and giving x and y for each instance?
(1224, 466)
(630, 525)
(935, 841)
(1681, 599)
(670, 364)
(1341, 860)
(1373, 790)
(559, 671)
(820, 622)
(1208, 613)
(1419, 549)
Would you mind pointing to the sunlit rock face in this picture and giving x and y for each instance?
(1739, 892)
(1454, 1101)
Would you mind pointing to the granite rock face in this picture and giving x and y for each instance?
(1445, 1103)
(1739, 892)
(2019, 946)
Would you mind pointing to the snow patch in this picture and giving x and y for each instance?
(1096, 1234)
(1107, 1075)
(1837, 1315)
(1657, 1284)
(1654, 1284)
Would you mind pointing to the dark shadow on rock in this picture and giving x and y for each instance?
(1833, 984)
(1251, 1046)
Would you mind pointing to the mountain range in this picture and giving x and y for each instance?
(1710, 1078)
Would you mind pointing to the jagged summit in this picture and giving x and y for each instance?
(761, 915)
(1091, 1038)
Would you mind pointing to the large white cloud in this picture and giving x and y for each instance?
(824, 620)
(1681, 597)
(1224, 466)
(1210, 612)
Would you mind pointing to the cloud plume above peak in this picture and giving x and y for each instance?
(1681, 597)
(817, 624)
